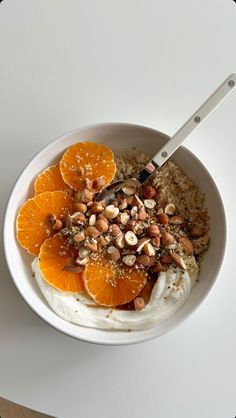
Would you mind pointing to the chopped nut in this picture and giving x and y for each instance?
(187, 245)
(149, 249)
(113, 253)
(159, 211)
(58, 225)
(99, 183)
(120, 241)
(92, 219)
(129, 260)
(141, 243)
(144, 260)
(139, 303)
(130, 238)
(196, 231)
(130, 225)
(111, 212)
(79, 237)
(83, 252)
(134, 211)
(91, 246)
(124, 218)
(142, 214)
(97, 207)
(102, 217)
(102, 225)
(80, 207)
(83, 261)
(170, 209)
(166, 259)
(123, 204)
(129, 190)
(86, 196)
(88, 184)
(103, 241)
(157, 267)
(149, 203)
(176, 220)
(51, 219)
(153, 231)
(78, 217)
(92, 231)
(136, 201)
(114, 230)
(167, 239)
(177, 259)
(149, 192)
(163, 218)
(156, 242)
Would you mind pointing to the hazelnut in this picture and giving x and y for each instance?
(134, 212)
(86, 196)
(176, 220)
(157, 267)
(102, 217)
(103, 241)
(166, 259)
(114, 230)
(91, 231)
(130, 225)
(91, 246)
(99, 183)
(130, 238)
(92, 220)
(153, 231)
(163, 218)
(113, 253)
(88, 184)
(129, 260)
(136, 201)
(120, 241)
(156, 242)
(149, 249)
(102, 225)
(51, 219)
(142, 216)
(139, 303)
(83, 252)
(144, 260)
(141, 243)
(97, 207)
(111, 212)
(79, 217)
(79, 237)
(196, 231)
(149, 192)
(170, 209)
(149, 203)
(167, 239)
(58, 225)
(123, 205)
(124, 218)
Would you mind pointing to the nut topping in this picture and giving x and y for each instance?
(139, 303)
(114, 230)
(163, 219)
(102, 225)
(130, 238)
(177, 259)
(167, 239)
(129, 260)
(144, 260)
(99, 183)
(83, 261)
(149, 192)
(91, 231)
(176, 220)
(79, 237)
(111, 212)
(141, 243)
(170, 209)
(83, 252)
(196, 231)
(58, 225)
(120, 241)
(187, 245)
(124, 218)
(97, 207)
(149, 203)
(86, 196)
(149, 249)
(113, 253)
(92, 219)
(153, 231)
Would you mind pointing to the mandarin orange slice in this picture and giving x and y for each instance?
(112, 284)
(87, 160)
(55, 259)
(32, 221)
(50, 180)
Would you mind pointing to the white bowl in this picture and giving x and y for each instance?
(120, 137)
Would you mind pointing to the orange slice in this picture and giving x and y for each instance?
(55, 255)
(50, 180)
(32, 225)
(87, 160)
(112, 284)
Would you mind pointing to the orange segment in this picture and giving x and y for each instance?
(32, 226)
(112, 284)
(50, 180)
(87, 160)
(54, 255)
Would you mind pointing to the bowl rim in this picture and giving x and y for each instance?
(92, 340)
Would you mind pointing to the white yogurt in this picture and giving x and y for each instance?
(170, 292)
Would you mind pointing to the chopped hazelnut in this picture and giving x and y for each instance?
(99, 183)
(79, 237)
(144, 260)
(111, 212)
(129, 260)
(139, 303)
(163, 218)
(130, 238)
(153, 231)
(97, 207)
(113, 253)
(102, 225)
(86, 196)
(148, 192)
(114, 230)
(58, 225)
(92, 231)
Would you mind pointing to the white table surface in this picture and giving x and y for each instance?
(65, 64)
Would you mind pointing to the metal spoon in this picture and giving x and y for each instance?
(173, 144)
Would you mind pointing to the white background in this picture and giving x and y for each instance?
(65, 64)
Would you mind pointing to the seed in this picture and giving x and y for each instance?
(149, 203)
(131, 238)
(111, 212)
(129, 260)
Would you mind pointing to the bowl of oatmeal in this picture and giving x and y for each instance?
(130, 270)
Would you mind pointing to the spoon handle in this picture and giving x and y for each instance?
(192, 123)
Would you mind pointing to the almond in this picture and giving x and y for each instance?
(79, 237)
(149, 192)
(102, 225)
(167, 239)
(156, 242)
(176, 220)
(129, 260)
(114, 230)
(136, 201)
(170, 209)
(196, 231)
(163, 218)
(139, 303)
(157, 267)
(111, 212)
(149, 203)
(144, 260)
(130, 238)
(141, 243)
(166, 259)
(58, 225)
(124, 218)
(91, 231)
(120, 241)
(123, 205)
(142, 216)
(99, 183)
(187, 245)
(113, 253)
(86, 196)
(153, 231)
(149, 249)
(177, 259)
(97, 207)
